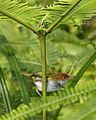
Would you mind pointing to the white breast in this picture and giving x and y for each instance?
(52, 85)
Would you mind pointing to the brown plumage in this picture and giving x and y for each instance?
(54, 82)
(61, 76)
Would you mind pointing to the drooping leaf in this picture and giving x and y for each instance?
(10, 56)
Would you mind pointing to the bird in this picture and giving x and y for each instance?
(54, 82)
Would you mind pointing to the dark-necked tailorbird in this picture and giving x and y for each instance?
(54, 82)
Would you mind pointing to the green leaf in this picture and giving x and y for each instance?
(65, 97)
(5, 92)
(85, 111)
(75, 80)
(61, 10)
(8, 52)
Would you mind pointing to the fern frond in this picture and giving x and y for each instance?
(20, 12)
(65, 97)
(8, 52)
(34, 16)
(86, 111)
(85, 9)
(5, 92)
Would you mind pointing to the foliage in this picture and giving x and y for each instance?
(70, 47)
(65, 97)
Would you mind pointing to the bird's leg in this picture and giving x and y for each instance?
(38, 92)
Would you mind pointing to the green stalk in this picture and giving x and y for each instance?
(5, 92)
(57, 112)
(62, 16)
(42, 39)
(8, 52)
(82, 70)
(45, 3)
(17, 20)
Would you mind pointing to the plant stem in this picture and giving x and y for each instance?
(8, 52)
(82, 70)
(5, 92)
(62, 16)
(42, 39)
(17, 20)
(45, 3)
(57, 112)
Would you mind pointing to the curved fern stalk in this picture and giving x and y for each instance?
(75, 80)
(5, 92)
(17, 20)
(81, 9)
(66, 97)
(7, 51)
(63, 16)
(21, 11)
(27, 15)
(57, 113)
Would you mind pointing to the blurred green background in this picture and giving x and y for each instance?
(68, 48)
